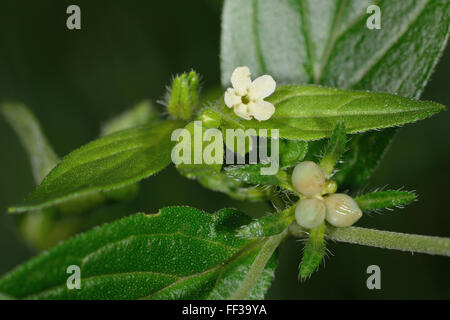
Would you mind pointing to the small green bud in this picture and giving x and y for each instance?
(184, 95)
(194, 87)
(330, 187)
(308, 178)
(310, 213)
(210, 118)
(342, 210)
(385, 199)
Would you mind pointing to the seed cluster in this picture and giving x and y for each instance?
(318, 200)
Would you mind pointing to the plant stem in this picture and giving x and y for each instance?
(384, 239)
(257, 267)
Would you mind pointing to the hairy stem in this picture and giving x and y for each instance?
(384, 239)
(257, 267)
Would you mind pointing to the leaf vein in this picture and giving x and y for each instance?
(376, 58)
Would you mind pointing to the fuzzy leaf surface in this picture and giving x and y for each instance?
(178, 253)
(107, 163)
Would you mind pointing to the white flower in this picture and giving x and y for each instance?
(247, 97)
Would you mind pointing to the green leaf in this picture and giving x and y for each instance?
(140, 114)
(312, 112)
(41, 154)
(399, 57)
(251, 36)
(334, 150)
(385, 199)
(42, 229)
(269, 225)
(327, 42)
(107, 163)
(314, 252)
(179, 253)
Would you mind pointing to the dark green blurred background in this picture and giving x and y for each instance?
(127, 51)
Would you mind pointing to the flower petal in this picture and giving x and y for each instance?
(261, 110)
(242, 111)
(241, 81)
(231, 99)
(262, 87)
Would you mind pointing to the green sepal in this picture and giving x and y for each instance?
(314, 252)
(385, 199)
(334, 149)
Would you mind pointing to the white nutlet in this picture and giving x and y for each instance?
(310, 213)
(342, 210)
(308, 178)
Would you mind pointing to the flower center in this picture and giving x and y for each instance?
(245, 99)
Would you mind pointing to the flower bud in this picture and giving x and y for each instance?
(342, 210)
(310, 213)
(308, 178)
(210, 118)
(183, 98)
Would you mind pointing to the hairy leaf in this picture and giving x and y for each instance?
(107, 163)
(312, 112)
(178, 253)
(44, 228)
(314, 252)
(385, 199)
(334, 150)
(327, 42)
(41, 154)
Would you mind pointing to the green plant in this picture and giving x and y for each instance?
(185, 253)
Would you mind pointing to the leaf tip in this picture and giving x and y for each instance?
(436, 107)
